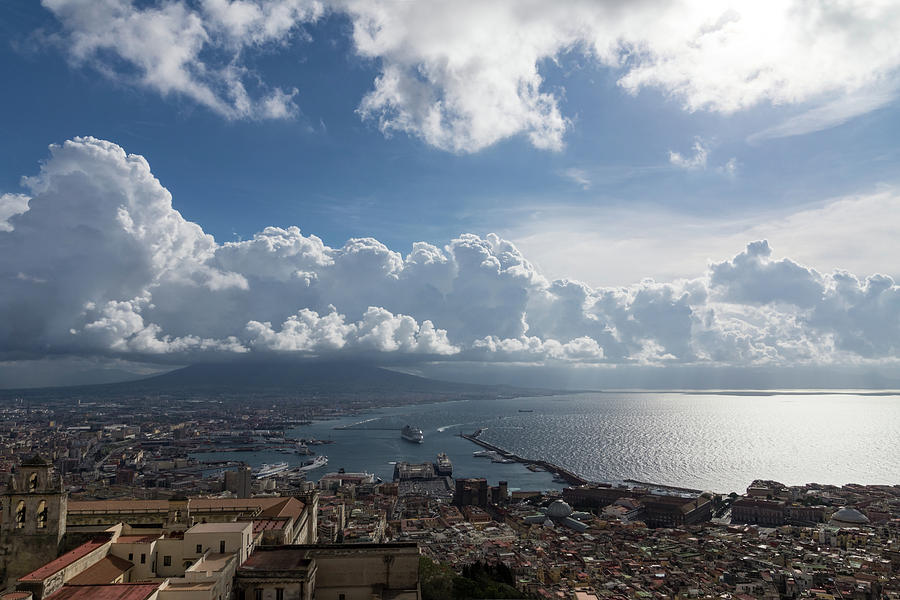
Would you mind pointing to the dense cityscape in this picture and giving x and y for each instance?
(105, 500)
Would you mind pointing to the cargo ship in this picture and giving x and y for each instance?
(412, 434)
(443, 466)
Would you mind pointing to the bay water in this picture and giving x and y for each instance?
(708, 441)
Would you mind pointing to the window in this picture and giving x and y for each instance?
(167, 561)
(32, 482)
(143, 558)
(279, 593)
(42, 515)
(257, 594)
(199, 548)
(131, 556)
(222, 546)
(341, 597)
(20, 514)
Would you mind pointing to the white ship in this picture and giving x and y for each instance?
(412, 434)
(319, 461)
(268, 470)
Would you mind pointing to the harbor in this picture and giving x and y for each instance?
(558, 472)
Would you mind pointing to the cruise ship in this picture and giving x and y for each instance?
(267, 470)
(412, 434)
(443, 466)
(319, 461)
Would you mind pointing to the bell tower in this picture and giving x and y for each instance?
(33, 521)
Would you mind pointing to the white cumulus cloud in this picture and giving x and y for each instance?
(465, 74)
(99, 263)
(10, 206)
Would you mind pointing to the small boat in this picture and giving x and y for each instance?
(526, 410)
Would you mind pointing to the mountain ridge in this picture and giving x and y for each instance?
(276, 379)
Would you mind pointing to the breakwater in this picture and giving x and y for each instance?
(567, 475)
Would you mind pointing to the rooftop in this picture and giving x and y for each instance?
(117, 591)
(63, 561)
(196, 504)
(279, 559)
(191, 586)
(213, 561)
(220, 527)
(137, 539)
(106, 570)
(268, 524)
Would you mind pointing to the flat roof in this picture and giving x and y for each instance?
(278, 559)
(220, 527)
(138, 539)
(63, 561)
(187, 586)
(213, 561)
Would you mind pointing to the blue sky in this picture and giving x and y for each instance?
(604, 152)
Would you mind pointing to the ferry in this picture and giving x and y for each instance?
(319, 461)
(267, 470)
(412, 434)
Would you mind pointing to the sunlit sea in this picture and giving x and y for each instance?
(718, 442)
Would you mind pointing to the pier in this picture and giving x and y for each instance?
(560, 472)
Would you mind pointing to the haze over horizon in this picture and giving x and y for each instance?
(659, 192)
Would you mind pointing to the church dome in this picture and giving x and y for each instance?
(848, 517)
(559, 509)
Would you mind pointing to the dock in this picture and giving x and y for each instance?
(560, 472)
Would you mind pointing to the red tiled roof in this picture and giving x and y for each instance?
(114, 591)
(290, 507)
(105, 571)
(63, 561)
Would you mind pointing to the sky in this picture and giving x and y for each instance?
(483, 188)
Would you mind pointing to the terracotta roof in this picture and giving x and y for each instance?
(117, 505)
(233, 503)
(63, 561)
(197, 504)
(105, 571)
(289, 507)
(113, 591)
